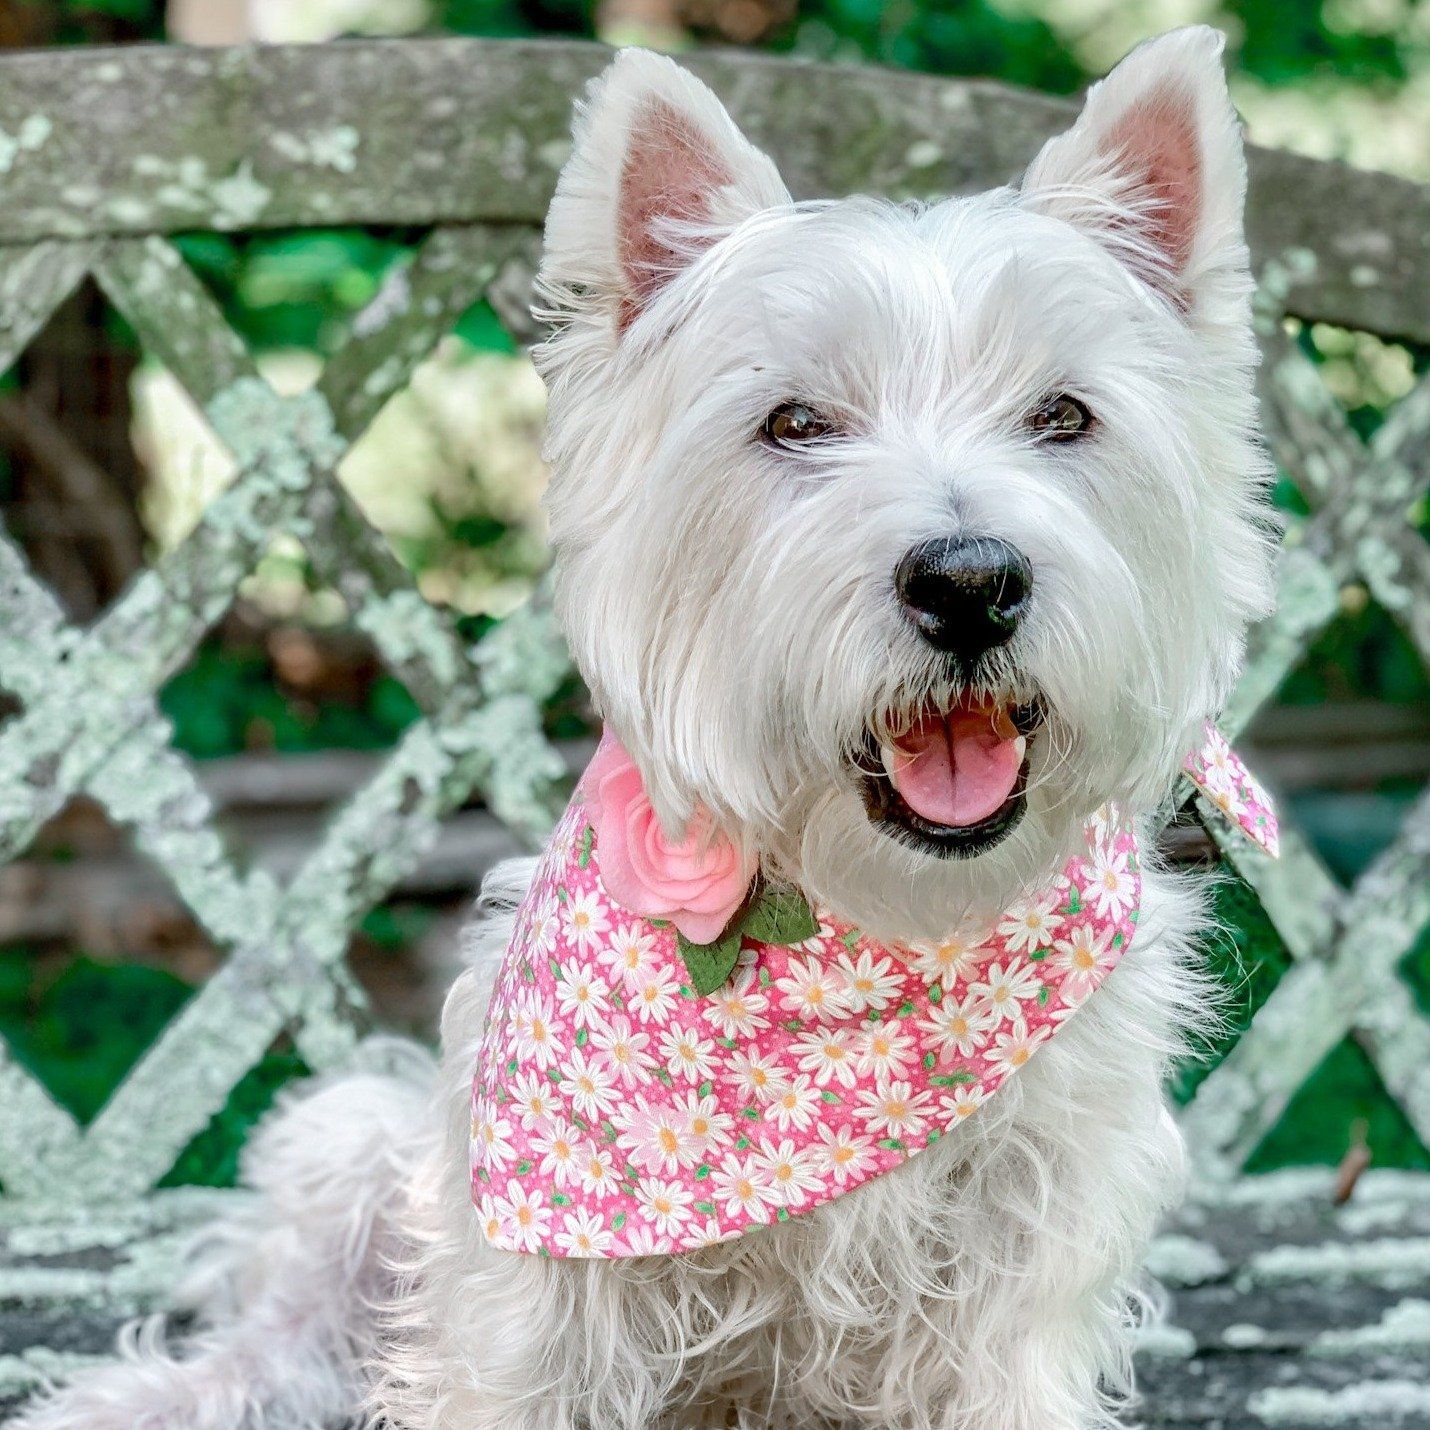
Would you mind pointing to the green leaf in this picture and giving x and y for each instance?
(779, 916)
(709, 964)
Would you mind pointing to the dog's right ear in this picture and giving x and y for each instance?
(657, 173)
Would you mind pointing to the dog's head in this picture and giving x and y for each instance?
(905, 536)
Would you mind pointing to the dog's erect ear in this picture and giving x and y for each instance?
(657, 170)
(1154, 167)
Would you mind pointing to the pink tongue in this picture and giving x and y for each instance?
(955, 769)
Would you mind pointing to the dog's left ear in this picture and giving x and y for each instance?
(1154, 169)
(657, 173)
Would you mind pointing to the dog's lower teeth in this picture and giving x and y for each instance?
(1021, 745)
(890, 757)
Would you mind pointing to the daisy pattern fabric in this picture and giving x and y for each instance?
(1218, 771)
(615, 1112)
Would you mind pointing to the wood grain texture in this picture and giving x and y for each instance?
(159, 139)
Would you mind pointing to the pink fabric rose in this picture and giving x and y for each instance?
(697, 884)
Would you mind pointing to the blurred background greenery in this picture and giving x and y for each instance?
(104, 463)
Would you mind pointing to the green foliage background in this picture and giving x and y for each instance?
(82, 1031)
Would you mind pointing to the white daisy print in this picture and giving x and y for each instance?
(964, 1101)
(657, 1138)
(1031, 925)
(823, 941)
(960, 1027)
(759, 1076)
(885, 1052)
(489, 1217)
(630, 952)
(1220, 780)
(737, 1008)
(1013, 1047)
(794, 1106)
(491, 1136)
(741, 1185)
(812, 989)
(687, 1055)
(666, 1203)
(533, 1097)
(596, 1172)
(644, 1240)
(653, 999)
(705, 1124)
(956, 960)
(586, 920)
(583, 995)
(545, 927)
(561, 1147)
(895, 1109)
(1113, 886)
(845, 1154)
(586, 1082)
(829, 1056)
(524, 1216)
(1084, 959)
(1217, 759)
(1005, 986)
(791, 1172)
(1228, 799)
(583, 1233)
(624, 1048)
(869, 982)
(535, 1033)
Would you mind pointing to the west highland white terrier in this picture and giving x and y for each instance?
(905, 549)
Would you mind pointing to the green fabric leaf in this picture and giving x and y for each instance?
(709, 964)
(779, 916)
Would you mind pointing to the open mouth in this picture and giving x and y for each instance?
(953, 781)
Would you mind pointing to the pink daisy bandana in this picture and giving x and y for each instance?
(618, 1111)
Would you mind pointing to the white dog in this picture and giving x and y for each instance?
(894, 541)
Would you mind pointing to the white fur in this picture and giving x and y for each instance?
(733, 613)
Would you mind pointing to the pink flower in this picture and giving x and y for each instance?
(697, 884)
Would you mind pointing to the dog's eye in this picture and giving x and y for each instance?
(792, 423)
(1060, 419)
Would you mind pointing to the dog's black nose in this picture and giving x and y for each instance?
(965, 594)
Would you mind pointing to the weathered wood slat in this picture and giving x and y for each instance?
(461, 131)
